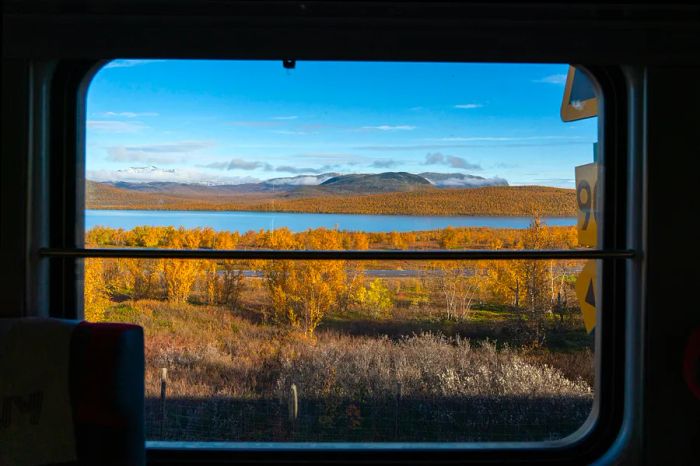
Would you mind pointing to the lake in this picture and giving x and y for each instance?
(244, 221)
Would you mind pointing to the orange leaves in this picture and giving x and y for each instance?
(324, 238)
(302, 293)
(94, 291)
(179, 276)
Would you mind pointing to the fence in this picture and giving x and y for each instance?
(388, 419)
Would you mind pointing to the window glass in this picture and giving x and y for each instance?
(344, 156)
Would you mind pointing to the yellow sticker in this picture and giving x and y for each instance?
(587, 202)
(587, 293)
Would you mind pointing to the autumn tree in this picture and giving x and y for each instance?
(179, 275)
(223, 280)
(505, 281)
(397, 240)
(144, 237)
(374, 299)
(458, 284)
(94, 291)
(449, 238)
(303, 292)
(527, 284)
(141, 277)
(354, 270)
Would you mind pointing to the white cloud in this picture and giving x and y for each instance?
(156, 153)
(504, 138)
(180, 146)
(291, 133)
(437, 158)
(129, 63)
(303, 170)
(468, 106)
(334, 156)
(391, 127)
(384, 163)
(254, 123)
(127, 114)
(304, 180)
(238, 164)
(285, 117)
(124, 154)
(471, 142)
(113, 126)
(552, 79)
(155, 174)
(474, 139)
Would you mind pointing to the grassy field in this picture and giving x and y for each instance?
(403, 378)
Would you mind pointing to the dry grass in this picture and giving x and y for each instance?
(210, 352)
(574, 365)
(229, 379)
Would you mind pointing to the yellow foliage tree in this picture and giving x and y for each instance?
(141, 277)
(302, 292)
(223, 280)
(95, 297)
(530, 283)
(458, 284)
(179, 275)
(375, 299)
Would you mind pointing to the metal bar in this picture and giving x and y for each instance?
(267, 254)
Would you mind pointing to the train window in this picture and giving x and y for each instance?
(353, 253)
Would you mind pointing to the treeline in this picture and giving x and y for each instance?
(323, 238)
(488, 201)
(300, 293)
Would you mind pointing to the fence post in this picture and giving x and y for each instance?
(163, 387)
(293, 405)
(396, 410)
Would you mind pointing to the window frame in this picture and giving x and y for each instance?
(59, 270)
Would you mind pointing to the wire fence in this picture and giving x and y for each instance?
(389, 419)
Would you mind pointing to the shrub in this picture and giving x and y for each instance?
(375, 300)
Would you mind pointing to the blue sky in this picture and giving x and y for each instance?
(245, 121)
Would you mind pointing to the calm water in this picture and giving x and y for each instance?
(244, 221)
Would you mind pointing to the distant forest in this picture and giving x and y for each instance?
(488, 201)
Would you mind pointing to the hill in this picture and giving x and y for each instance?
(373, 183)
(489, 201)
(499, 200)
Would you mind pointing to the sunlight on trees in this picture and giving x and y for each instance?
(375, 299)
(300, 294)
(223, 280)
(95, 295)
(458, 284)
(141, 277)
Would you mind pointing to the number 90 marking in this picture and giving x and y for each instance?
(586, 200)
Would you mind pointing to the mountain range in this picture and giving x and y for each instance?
(304, 185)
